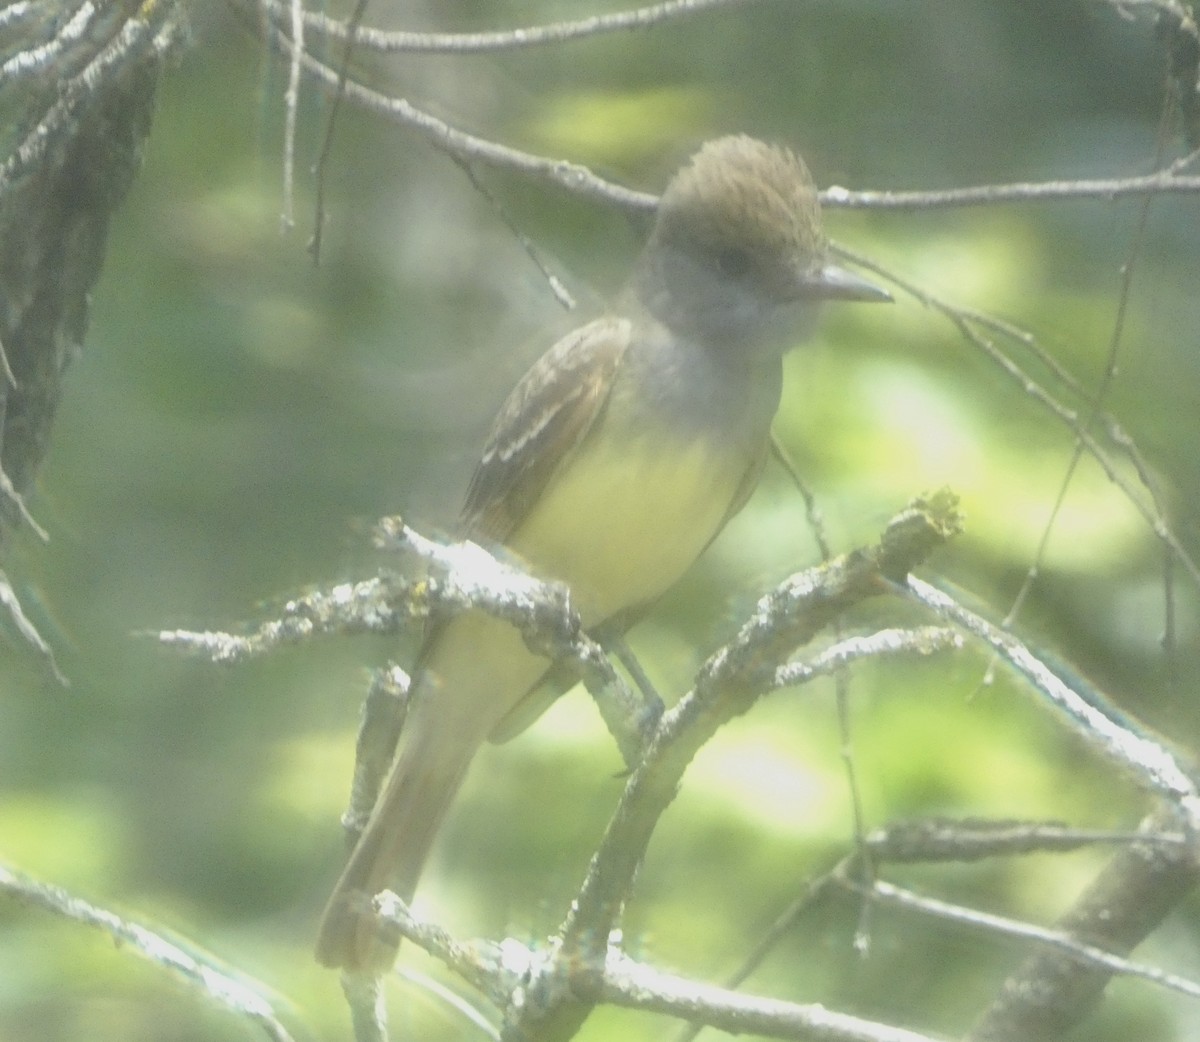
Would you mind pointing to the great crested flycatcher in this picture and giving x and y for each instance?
(614, 462)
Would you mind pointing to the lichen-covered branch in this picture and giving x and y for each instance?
(463, 577)
(77, 88)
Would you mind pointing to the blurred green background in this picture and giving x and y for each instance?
(239, 418)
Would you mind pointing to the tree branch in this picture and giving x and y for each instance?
(638, 986)
(506, 972)
(84, 92)
(1052, 991)
(388, 42)
(727, 686)
(581, 181)
(198, 973)
(466, 577)
(1089, 713)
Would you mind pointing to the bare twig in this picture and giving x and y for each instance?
(1095, 403)
(580, 180)
(925, 640)
(1004, 926)
(970, 839)
(9, 493)
(1103, 189)
(814, 890)
(343, 77)
(11, 606)
(368, 1010)
(571, 176)
(508, 973)
(467, 577)
(7, 375)
(637, 986)
(1052, 991)
(291, 109)
(510, 39)
(812, 513)
(1098, 723)
(231, 993)
(495, 970)
(816, 525)
(459, 1004)
(380, 605)
(966, 320)
(557, 288)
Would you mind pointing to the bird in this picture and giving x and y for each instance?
(613, 463)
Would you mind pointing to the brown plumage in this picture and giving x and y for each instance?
(614, 462)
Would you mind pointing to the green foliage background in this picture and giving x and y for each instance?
(238, 418)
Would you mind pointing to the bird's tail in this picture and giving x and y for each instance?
(471, 675)
(391, 852)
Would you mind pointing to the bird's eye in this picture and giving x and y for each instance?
(734, 262)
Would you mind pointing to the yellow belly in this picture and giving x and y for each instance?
(619, 527)
(625, 521)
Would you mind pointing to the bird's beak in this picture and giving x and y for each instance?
(834, 283)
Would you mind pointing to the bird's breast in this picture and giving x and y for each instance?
(628, 516)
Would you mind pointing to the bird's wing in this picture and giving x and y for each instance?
(545, 417)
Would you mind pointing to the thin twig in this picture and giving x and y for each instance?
(579, 179)
(999, 925)
(570, 176)
(557, 288)
(638, 986)
(379, 605)
(963, 320)
(291, 109)
(940, 840)
(227, 991)
(1088, 712)
(814, 889)
(6, 372)
(511, 39)
(8, 491)
(467, 578)
(816, 525)
(812, 512)
(10, 606)
(1095, 405)
(343, 78)
(1104, 189)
